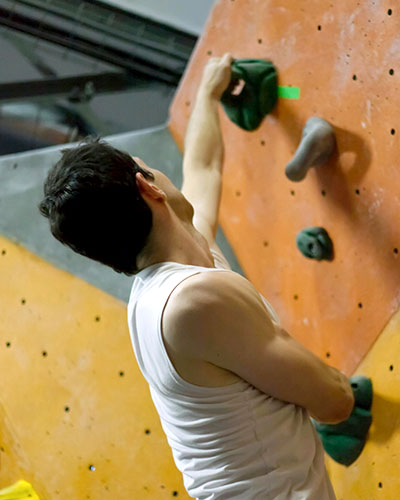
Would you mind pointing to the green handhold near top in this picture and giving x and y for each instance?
(344, 442)
(315, 243)
(258, 96)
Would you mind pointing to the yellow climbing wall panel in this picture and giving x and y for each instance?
(345, 57)
(375, 474)
(76, 417)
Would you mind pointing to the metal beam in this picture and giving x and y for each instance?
(75, 88)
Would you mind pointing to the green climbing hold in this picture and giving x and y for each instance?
(258, 96)
(315, 243)
(344, 442)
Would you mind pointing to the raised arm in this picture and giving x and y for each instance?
(220, 318)
(204, 149)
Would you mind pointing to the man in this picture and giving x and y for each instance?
(234, 391)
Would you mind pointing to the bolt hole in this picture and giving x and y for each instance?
(66, 409)
(319, 27)
(174, 493)
(354, 385)
(380, 485)
(23, 302)
(389, 12)
(121, 374)
(262, 143)
(357, 191)
(396, 250)
(187, 103)
(393, 131)
(147, 431)
(391, 72)
(97, 318)
(354, 77)
(292, 193)
(8, 344)
(323, 193)
(238, 193)
(266, 243)
(391, 368)
(209, 53)
(296, 297)
(360, 305)
(15, 165)
(259, 40)
(44, 354)
(3, 252)
(328, 354)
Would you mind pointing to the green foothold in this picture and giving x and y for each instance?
(315, 243)
(258, 96)
(344, 442)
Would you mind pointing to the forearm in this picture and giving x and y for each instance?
(203, 142)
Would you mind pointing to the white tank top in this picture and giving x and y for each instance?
(232, 442)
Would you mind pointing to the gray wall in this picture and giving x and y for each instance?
(187, 15)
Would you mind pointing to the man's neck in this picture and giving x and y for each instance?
(187, 246)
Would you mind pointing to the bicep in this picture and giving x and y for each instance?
(237, 334)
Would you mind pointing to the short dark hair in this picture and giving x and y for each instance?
(94, 206)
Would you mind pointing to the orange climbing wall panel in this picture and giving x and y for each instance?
(345, 57)
(76, 417)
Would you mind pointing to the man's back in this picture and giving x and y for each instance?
(228, 440)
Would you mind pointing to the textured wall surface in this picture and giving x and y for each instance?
(345, 59)
(77, 419)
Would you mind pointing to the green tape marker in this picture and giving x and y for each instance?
(288, 92)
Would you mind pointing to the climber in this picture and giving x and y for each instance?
(234, 391)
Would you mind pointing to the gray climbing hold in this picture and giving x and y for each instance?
(317, 144)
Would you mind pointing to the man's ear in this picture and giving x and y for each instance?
(147, 189)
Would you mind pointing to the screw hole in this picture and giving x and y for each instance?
(319, 27)
(357, 191)
(292, 193)
(354, 77)
(8, 344)
(238, 193)
(380, 485)
(174, 493)
(262, 143)
(360, 305)
(323, 193)
(66, 409)
(266, 243)
(3, 252)
(23, 301)
(121, 374)
(396, 250)
(389, 12)
(391, 368)
(209, 53)
(259, 40)
(393, 131)
(147, 431)
(391, 72)
(97, 318)
(328, 354)
(44, 354)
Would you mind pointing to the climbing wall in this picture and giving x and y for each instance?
(345, 57)
(77, 420)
